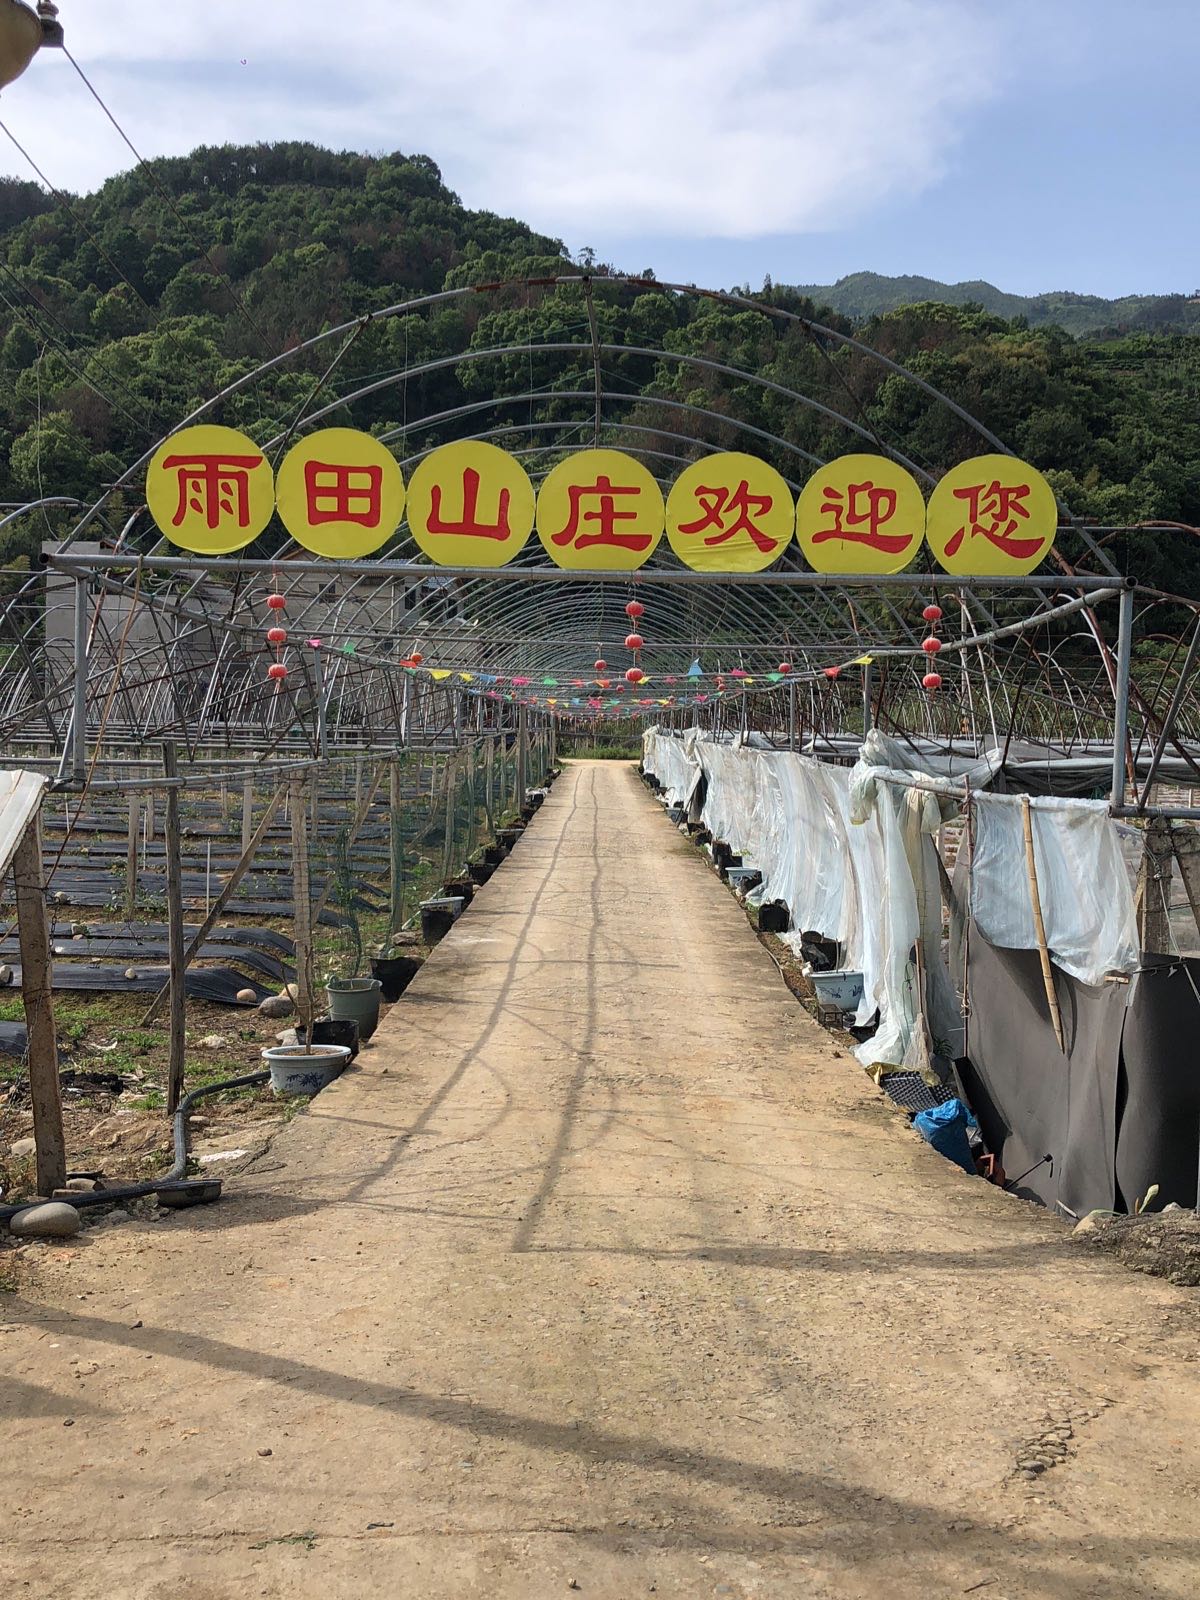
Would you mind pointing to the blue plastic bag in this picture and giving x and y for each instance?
(945, 1128)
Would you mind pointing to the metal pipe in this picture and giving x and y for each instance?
(174, 1180)
(1121, 698)
(1172, 712)
(79, 711)
(82, 562)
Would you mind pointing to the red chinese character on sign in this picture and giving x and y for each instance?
(343, 494)
(469, 526)
(607, 516)
(739, 504)
(213, 486)
(858, 516)
(992, 511)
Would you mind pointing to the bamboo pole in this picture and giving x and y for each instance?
(36, 992)
(1038, 925)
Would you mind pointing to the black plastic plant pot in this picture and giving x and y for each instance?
(493, 855)
(509, 836)
(480, 871)
(436, 922)
(334, 1030)
(774, 917)
(462, 887)
(702, 837)
(395, 973)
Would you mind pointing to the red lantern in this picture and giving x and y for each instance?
(931, 646)
(634, 641)
(932, 680)
(634, 675)
(416, 658)
(276, 635)
(277, 672)
(785, 666)
(932, 613)
(833, 672)
(276, 602)
(601, 666)
(602, 683)
(635, 609)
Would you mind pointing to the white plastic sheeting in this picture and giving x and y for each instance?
(20, 796)
(1087, 901)
(854, 857)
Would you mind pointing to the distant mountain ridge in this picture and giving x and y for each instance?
(861, 295)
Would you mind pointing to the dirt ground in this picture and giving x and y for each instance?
(608, 1272)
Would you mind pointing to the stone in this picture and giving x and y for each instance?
(52, 1220)
(277, 1005)
(292, 992)
(214, 1041)
(1091, 1223)
(21, 1148)
(246, 997)
(82, 1186)
(6, 975)
(131, 973)
(79, 930)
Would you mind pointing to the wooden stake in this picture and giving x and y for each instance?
(397, 846)
(34, 932)
(301, 902)
(1186, 844)
(247, 813)
(228, 889)
(1154, 889)
(1039, 926)
(131, 855)
(177, 975)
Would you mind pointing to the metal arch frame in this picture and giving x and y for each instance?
(811, 616)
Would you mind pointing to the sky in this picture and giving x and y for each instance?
(1038, 144)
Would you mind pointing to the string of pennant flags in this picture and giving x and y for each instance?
(341, 495)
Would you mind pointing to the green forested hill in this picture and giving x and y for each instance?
(121, 310)
(867, 294)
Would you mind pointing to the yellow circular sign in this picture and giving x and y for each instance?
(470, 505)
(600, 511)
(210, 490)
(860, 514)
(340, 493)
(730, 513)
(992, 517)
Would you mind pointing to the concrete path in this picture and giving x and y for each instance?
(606, 1274)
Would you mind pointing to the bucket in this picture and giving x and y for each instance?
(332, 1030)
(395, 973)
(437, 918)
(295, 1072)
(843, 989)
(355, 1000)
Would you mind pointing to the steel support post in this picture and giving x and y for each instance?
(79, 711)
(1121, 697)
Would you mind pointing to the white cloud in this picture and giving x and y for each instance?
(712, 118)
